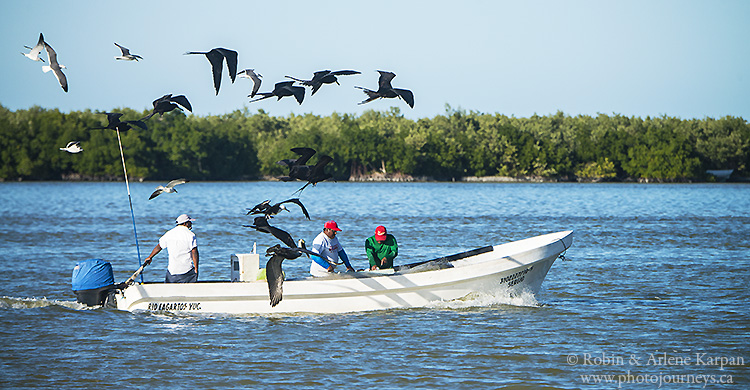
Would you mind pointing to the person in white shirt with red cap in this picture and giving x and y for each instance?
(330, 251)
(182, 248)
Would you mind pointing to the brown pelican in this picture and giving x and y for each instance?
(274, 273)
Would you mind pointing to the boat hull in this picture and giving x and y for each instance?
(508, 268)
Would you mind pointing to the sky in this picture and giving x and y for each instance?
(686, 59)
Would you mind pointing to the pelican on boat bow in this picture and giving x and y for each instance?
(513, 267)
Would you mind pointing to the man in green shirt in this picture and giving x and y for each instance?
(381, 249)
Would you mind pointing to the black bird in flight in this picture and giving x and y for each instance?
(312, 174)
(114, 123)
(385, 90)
(250, 74)
(261, 224)
(317, 173)
(216, 57)
(269, 210)
(166, 103)
(323, 77)
(297, 168)
(281, 89)
(274, 273)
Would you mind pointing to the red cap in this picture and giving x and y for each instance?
(331, 225)
(380, 233)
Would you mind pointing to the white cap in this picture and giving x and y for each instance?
(182, 219)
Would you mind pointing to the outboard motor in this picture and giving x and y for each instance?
(93, 283)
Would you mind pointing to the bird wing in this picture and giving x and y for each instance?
(282, 85)
(138, 123)
(319, 75)
(299, 93)
(215, 58)
(166, 97)
(51, 54)
(299, 203)
(385, 79)
(405, 94)
(156, 193)
(249, 73)
(175, 182)
(345, 72)
(183, 101)
(55, 66)
(124, 50)
(61, 78)
(320, 165)
(282, 235)
(231, 59)
(259, 208)
(315, 87)
(275, 278)
(256, 86)
(113, 118)
(38, 47)
(261, 224)
(304, 154)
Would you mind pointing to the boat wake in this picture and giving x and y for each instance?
(504, 297)
(35, 303)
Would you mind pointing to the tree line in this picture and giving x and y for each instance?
(246, 146)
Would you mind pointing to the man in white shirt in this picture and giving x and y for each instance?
(327, 246)
(182, 248)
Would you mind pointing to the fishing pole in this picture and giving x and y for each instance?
(130, 200)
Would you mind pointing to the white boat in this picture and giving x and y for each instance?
(720, 174)
(513, 267)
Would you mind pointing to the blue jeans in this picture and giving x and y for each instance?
(188, 277)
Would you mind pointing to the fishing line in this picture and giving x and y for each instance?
(130, 200)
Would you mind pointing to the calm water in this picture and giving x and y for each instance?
(655, 292)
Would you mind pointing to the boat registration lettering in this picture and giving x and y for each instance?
(179, 306)
(518, 277)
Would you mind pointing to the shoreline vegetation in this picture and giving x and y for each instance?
(377, 146)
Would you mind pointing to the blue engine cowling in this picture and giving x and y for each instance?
(93, 282)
